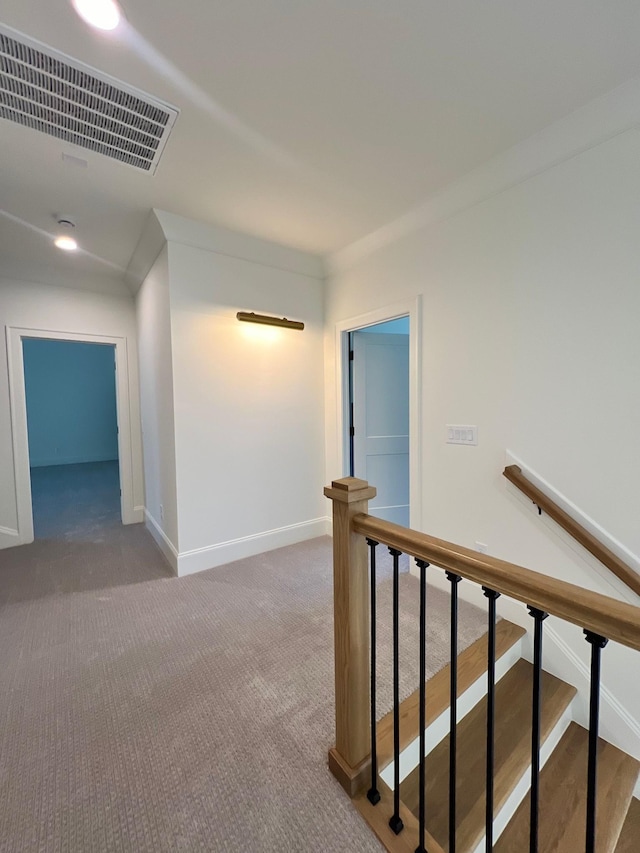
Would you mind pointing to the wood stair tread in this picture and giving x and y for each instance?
(472, 663)
(563, 792)
(512, 755)
(629, 841)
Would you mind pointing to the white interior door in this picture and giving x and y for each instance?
(381, 421)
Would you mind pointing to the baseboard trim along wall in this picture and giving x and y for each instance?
(617, 724)
(162, 540)
(248, 546)
(9, 537)
(138, 515)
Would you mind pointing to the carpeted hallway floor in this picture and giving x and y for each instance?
(141, 712)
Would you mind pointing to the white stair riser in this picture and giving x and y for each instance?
(439, 728)
(521, 790)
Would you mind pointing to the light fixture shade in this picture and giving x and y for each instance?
(265, 320)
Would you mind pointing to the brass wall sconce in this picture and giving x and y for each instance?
(265, 320)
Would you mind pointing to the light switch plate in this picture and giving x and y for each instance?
(462, 434)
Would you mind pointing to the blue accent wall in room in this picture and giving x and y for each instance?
(71, 402)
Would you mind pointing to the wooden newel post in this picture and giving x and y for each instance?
(349, 760)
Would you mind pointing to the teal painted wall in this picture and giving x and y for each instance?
(71, 402)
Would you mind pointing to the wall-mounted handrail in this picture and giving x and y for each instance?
(546, 504)
(600, 614)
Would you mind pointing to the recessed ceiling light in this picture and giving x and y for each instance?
(67, 244)
(102, 14)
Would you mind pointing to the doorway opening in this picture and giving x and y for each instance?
(380, 413)
(72, 431)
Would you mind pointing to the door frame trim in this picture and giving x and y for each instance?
(20, 436)
(411, 308)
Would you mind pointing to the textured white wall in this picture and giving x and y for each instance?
(38, 306)
(529, 330)
(248, 405)
(156, 401)
(530, 307)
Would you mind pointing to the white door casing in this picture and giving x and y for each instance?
(17, 399)
(381, 420)
(411, 308)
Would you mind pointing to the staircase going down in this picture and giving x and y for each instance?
(563, 793)
(563, 760)
(489, 755)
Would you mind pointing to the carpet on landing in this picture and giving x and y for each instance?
(142, 712)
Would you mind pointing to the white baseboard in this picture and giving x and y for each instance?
(617, 725)
(9, 537)
(162, 540)
(237, 549)
(137, 516)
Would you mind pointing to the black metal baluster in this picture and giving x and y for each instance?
(395, 822)
(373, 795)
(491, 709)
(422, 565)
(597, 644)
(536, 706)
(453, 709)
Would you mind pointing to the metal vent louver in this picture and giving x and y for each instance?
(47, 91)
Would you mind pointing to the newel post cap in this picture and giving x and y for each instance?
(349, 490)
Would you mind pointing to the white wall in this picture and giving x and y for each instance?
(42, 307)
(530, 317)
(156, 401)
(248, 401)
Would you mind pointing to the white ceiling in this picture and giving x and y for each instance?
(307, 122)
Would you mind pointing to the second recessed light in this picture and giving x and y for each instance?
(64, 240)
(67, 244)
(102, 14)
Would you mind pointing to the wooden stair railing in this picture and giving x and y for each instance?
(597, 613)
(602, 619)
(620, 569)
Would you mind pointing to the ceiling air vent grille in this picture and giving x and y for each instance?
(47, 91)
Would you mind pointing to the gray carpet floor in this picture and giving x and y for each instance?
(141, 712)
